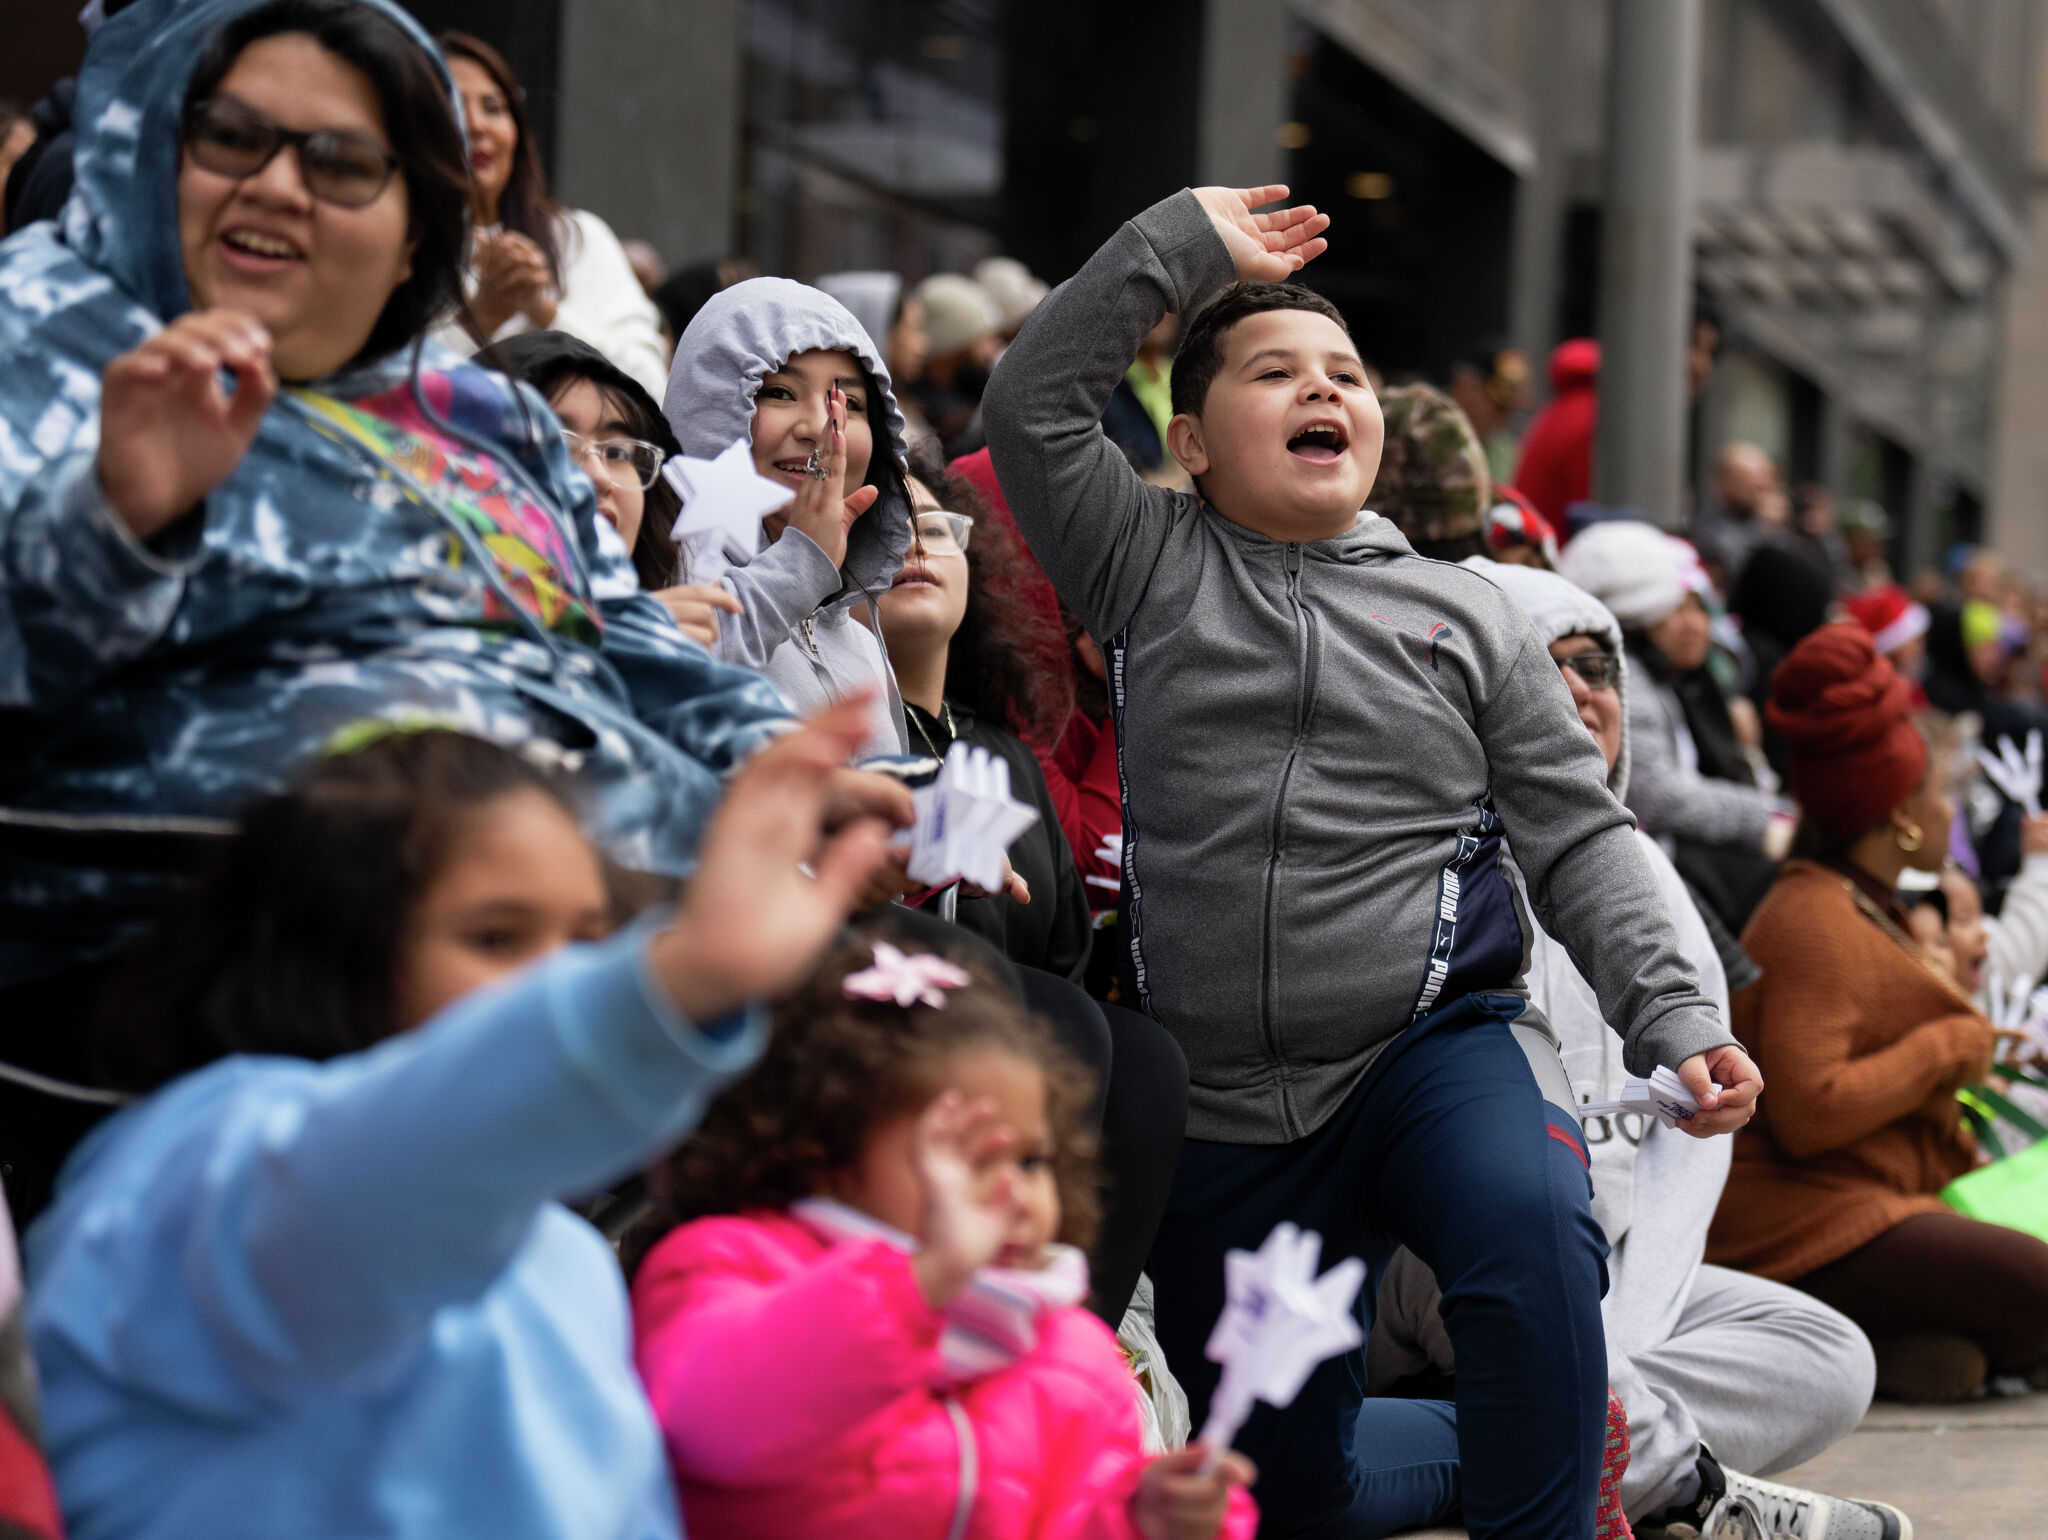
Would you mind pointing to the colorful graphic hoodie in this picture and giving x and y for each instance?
(405, 540)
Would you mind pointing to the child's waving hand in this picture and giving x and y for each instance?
(970, 1205)
(823, 508)
(752, 923)
(1266, 247)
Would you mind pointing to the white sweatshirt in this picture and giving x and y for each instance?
(601, 303)
(2017, 935)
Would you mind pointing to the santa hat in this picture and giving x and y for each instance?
(1514, 521)
(1890, 616)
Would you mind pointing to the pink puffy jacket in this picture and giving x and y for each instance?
(800, 1390)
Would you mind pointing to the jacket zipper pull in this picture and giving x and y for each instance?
(809, 629)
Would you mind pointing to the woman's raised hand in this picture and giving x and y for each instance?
(969, 1206)
(170, 429)
(512, 278)
(1267, 247)
(823, 510)
(753, 922)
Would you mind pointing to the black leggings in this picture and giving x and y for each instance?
(1143, 1113)
(1946, 1273)
(1141, 1104)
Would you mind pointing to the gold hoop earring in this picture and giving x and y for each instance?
(1910, 838)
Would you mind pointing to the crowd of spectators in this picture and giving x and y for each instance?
(473, 1055)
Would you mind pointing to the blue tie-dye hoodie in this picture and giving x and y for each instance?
(404, 540)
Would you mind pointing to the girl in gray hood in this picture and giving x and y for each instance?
(789, 368)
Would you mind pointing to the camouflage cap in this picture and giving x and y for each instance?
(1433, 482)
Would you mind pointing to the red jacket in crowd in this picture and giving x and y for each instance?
(1556, 468)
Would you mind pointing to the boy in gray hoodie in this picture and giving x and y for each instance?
(1322, 737)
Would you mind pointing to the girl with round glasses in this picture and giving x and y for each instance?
(618, 438)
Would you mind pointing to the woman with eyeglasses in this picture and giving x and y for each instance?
(959, 635)
(534, 265)
(244, 505)
(1699, 1438)
(618, 438)
(1693, 790)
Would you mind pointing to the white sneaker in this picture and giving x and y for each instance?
(1734, 1506)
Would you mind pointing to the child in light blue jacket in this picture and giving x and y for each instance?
(318, 1282)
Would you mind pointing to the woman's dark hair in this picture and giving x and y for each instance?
(551, 362)
(289, 941)
(419, 122)
(524, 205)
(836, 1066)
(989, 664)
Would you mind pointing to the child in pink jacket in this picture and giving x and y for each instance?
(869, 1326)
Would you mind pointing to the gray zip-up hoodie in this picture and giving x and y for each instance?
(796, 624)
(1320, 745)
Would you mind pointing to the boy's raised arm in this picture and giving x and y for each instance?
(1094, 524)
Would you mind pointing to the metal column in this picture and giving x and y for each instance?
(1646, 256)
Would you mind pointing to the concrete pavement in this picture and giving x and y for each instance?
(1978, 1471)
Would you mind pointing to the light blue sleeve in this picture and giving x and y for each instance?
(80, 596)
(296, 1236)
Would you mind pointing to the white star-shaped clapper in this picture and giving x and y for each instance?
(1279, 1321)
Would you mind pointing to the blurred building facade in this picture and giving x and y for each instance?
(2018, 523)
(1867, 188)
(1864, 193)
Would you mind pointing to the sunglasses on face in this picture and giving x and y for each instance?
(621, 459)
(233, 140)
(943, 532)
(1600, 670)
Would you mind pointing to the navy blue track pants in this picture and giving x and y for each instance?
(1448, 1147)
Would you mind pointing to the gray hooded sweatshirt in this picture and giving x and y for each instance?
(796, 624)
(1321, 745)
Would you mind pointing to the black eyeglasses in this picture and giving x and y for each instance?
(229, 139)
(1600, 670)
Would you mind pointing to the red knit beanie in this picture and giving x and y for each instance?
(1848, 717)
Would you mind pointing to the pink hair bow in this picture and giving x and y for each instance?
(918, 980)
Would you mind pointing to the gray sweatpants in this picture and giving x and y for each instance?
(1763, 1375)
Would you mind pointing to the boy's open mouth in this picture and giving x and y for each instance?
(1321, 443)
